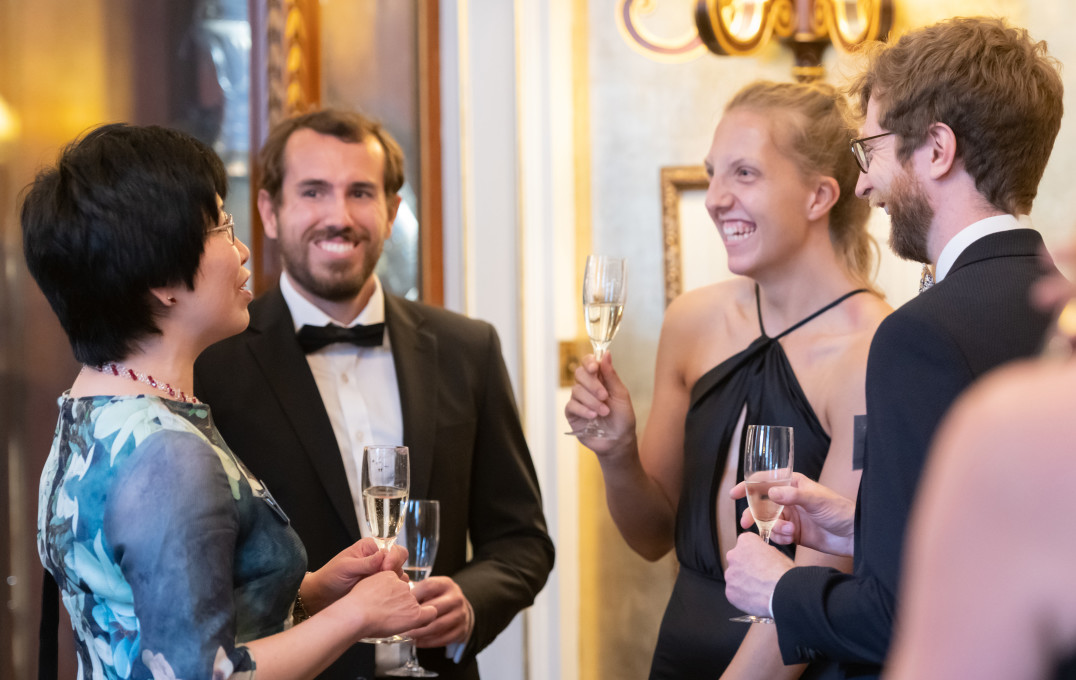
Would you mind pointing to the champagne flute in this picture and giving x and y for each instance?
(767, 462)
(386, 480)
(604, 291)
(421, 532)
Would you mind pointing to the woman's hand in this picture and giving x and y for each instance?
(599, 393)
(387, 606)
(356, 562)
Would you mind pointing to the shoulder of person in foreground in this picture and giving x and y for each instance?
(984, 542)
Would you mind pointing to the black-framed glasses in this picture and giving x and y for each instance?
(862, 152)
(228, 227)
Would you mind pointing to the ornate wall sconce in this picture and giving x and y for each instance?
(742, 27)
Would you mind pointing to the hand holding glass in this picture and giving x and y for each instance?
(386, 480)
(604, 292)
(767, 462)
(421, 532)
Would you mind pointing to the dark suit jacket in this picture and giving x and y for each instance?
(922, 357)
(467, 451)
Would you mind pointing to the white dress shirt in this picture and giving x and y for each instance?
(972, 233)
(357, 384)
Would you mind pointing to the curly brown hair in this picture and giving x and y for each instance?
(995, 87)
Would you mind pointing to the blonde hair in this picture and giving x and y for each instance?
(814, 125)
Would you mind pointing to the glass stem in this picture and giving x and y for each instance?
(412, 661)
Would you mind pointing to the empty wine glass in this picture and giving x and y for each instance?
(604, 292)
(767, 462)
(386, 480)
(421, 532)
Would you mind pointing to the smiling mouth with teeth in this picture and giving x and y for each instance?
(736, 230)
(340, 247)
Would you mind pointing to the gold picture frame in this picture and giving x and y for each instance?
(675, 182)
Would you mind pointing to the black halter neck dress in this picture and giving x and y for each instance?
(697, 640)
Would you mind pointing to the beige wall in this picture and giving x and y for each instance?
(645, 114)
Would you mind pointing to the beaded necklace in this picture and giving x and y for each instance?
(137, 376)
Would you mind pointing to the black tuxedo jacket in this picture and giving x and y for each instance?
(467, 451)
(922, 357)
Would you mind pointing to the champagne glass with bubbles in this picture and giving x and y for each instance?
(604, 291)
(386, 480)
(767, 462)
(420, 535)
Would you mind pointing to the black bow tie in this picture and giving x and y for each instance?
(313, 338)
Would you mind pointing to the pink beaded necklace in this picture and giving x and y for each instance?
(138, 376)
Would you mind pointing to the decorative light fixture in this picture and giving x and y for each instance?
(9, 128)
(9, 122)
(742, 27)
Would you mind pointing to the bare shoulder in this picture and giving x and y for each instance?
(832, 365)
(840, 340)
(706, 325)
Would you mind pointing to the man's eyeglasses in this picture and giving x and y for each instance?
(862, 152)
(228, 227)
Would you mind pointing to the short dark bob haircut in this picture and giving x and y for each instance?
(124, 210)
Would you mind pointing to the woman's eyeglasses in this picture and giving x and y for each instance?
(228, 227)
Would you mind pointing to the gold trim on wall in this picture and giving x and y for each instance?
(285, 57)
(674, 181)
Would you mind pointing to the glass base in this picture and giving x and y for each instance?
(411, 672)
(747, 618)
(592, 429)
(385, 641)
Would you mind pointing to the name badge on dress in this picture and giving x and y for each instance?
(859, 441)
(264, 494)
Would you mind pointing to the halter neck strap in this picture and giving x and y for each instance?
(762, 329)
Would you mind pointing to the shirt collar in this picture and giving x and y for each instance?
(972, 233)
(304, 313)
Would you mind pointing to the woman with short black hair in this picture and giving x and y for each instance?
(172, 559)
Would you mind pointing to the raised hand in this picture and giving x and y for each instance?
(814, 516)
(599, 393)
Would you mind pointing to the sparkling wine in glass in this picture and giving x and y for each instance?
(767, 462)
(421, 532)
(386, 480)
(604, 292)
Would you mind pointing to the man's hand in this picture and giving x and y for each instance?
(455, 618)
(753, 571)
(814, 516)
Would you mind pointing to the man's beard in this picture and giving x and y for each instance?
(910, 215)
(337, 285)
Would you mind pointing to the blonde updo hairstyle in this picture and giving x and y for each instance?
(813, 124)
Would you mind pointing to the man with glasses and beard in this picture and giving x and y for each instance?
(960, 119)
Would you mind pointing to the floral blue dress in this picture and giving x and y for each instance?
(169, 554)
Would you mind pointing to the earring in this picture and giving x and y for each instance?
(171, 300)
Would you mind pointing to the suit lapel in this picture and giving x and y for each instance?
(284, 365)
(414, 354)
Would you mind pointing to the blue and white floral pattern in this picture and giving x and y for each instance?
(168, 552)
